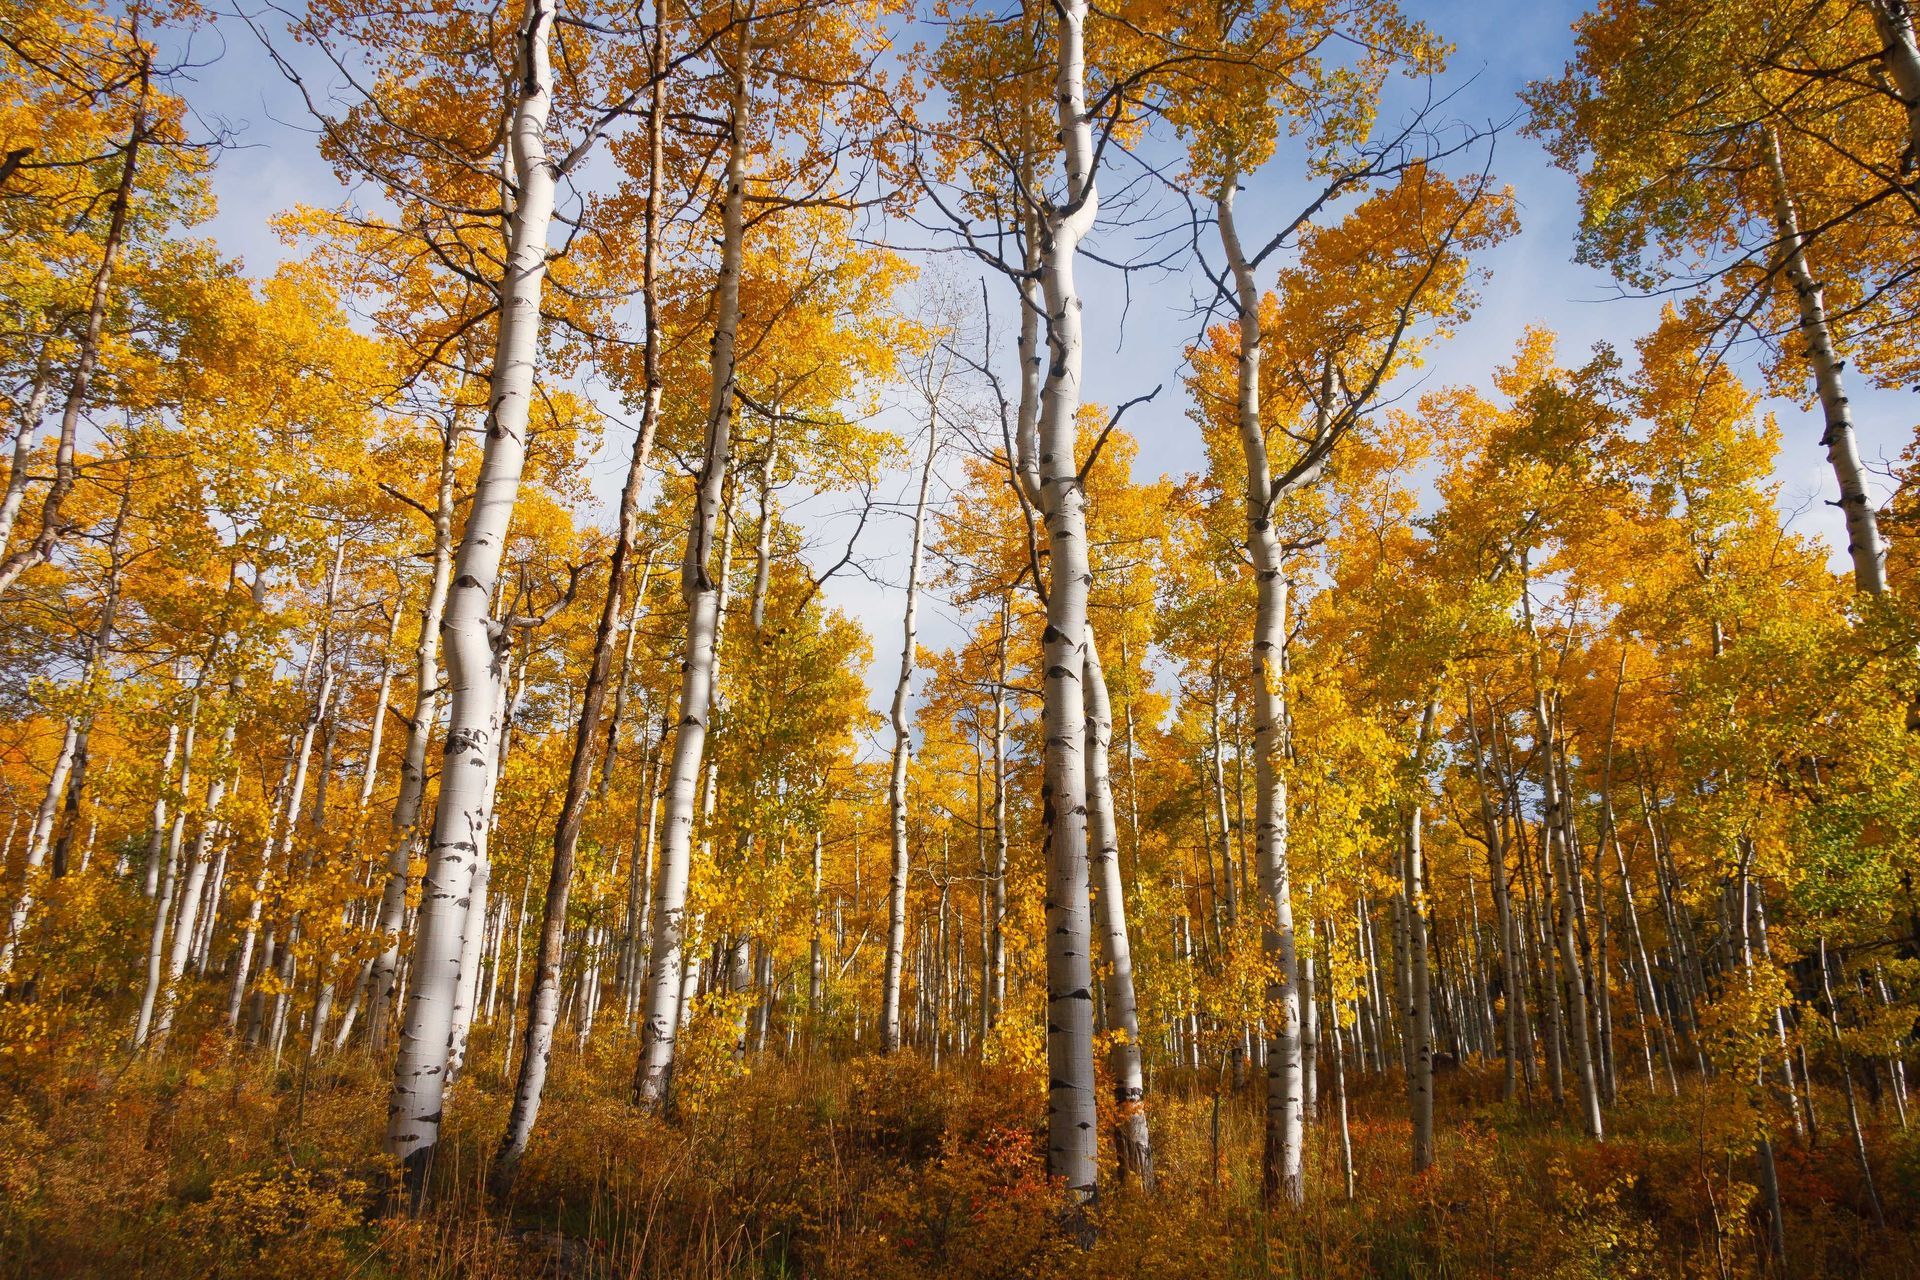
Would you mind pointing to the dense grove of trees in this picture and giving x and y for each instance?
(1423, 729)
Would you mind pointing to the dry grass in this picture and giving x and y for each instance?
(865, 1168)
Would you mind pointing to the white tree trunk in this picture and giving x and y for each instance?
(1132, 1139)
(902, 749)
(1565, 872)
(473, 933)
(1072, 1113)
(39, 840)
(166, 848)
(1901, 57)
(379, 973)
(1418, 985)
(53, 523)
(701, 591)
(194, 888)
(1286, 1097)
(1864, 544)
(278, 849)
(460, 824)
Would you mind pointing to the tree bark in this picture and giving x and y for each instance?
(53, 521)
(461, 822)
(701, 591)
(1900, 55)
(543, 1000)
(380, 972)
(1418, 986)
(1072, 1113)
(1286, 1099)
(902, 748)
(1133, 1142)
(1864, 544)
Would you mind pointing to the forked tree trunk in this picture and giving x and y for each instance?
(461, 822)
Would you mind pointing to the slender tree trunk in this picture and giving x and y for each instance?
(995, 996)
(543, 998)
(1286, 1099)
(902, 748)
(1864, 544)
(1340, 1081)
(1564, 870)
(616, 716)
(380, 972)
(1132, 1139)
(169, 852)
(1846, 1079)
(54, 525)
(1072, 1113)
(1419, 992)
(20, 469)
(701, 591)
(1510, 977)
(200, 862)
(471, 638)
(1900, 55)
(39, 841)
(278, 849)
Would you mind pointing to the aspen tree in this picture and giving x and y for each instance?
(471, 637)
(544, 998)
(1132, 1139)
(701, 591)
(902, 745)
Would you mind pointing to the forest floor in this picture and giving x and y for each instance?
(873, 1168)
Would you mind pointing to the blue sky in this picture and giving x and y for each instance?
(1499, 47)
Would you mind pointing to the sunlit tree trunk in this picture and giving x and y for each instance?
(1864, 544)
(543, 999)
(1560, 858)
(995, 996)
(1517, 1040)
(39, 841)
(902, 748)
(1072, 1114)
(169, 851)
(1419, 999)
(54, 524)
(20, 468)
(369, 776)
(461, 821)
(1286, 1097)
(473, 931)
(1900, 55)
(195, 889)
(278, 848)
(1132, 1139)
(701, 591)
(377, 976)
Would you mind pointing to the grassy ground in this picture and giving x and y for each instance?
(863, 1168)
